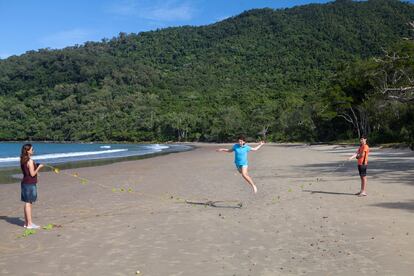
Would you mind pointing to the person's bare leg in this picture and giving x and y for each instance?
(246, 176)
(28, 214)
(363, 186)
(25, 215)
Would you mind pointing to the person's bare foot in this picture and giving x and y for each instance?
(362, 194)
(254, 189)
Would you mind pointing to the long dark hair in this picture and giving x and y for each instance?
(24, 157)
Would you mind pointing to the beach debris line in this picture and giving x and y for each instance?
(217, 204)
(84, 181)
(76, 175)
(321, 176)
(176, 198)
(122, 190)
(339, 166)
(210, 203)
(119, 189)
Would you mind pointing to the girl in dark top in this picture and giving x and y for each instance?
(28, 184)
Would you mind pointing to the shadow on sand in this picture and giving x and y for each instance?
(409, 206)
(13, 220)
(390, 169)
(324, 192)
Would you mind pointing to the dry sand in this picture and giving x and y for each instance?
(304, 220)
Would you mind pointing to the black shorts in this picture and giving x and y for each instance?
(362, 169)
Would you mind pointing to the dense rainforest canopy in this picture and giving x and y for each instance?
(319, 72)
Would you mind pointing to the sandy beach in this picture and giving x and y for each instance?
(304, 220)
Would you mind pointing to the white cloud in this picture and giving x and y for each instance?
(65, 38)
(183, 12)
(170, 10)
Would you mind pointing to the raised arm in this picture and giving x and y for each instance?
(258, 146)
(225, 150)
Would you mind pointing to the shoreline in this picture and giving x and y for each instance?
(8, 175)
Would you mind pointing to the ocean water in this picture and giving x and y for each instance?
(55, 153)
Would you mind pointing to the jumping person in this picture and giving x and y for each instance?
(240, 158)
(362, 156)
(29, 184)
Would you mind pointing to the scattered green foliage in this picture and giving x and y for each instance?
(27, 232)
(275, 199)
(49, 226)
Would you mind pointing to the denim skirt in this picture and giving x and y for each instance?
(29, 192)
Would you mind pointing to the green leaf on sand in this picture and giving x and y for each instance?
(27, 232)
(48, 227)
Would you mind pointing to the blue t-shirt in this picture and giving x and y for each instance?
(240, 154)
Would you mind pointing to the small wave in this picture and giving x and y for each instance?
(9, 159)
(157, 147)
(62, 155)
(105, 147)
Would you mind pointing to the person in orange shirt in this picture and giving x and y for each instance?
(362, 156)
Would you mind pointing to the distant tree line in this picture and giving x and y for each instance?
(309, 73)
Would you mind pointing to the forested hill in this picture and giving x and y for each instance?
(261, 72)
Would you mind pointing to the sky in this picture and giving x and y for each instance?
(32, 24)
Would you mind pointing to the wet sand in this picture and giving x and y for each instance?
(304, 220)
